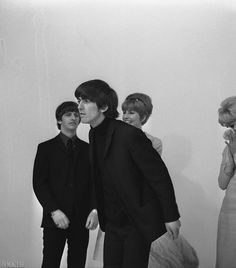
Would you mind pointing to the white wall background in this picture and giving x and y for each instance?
(182, 53)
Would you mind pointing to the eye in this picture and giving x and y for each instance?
(83, 100)
(126, 112)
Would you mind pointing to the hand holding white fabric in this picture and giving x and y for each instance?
(92, 220)
(230, 137)
(173, 229)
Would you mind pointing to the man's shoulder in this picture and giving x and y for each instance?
(48, 142)
(82, 142)
(126, 130)
(122, 126)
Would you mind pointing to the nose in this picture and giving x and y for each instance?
(73, 116)
(80, 105)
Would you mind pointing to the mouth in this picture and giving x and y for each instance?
(128, 121)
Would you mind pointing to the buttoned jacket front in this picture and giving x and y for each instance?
(51, 181)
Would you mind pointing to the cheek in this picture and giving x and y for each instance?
(93, 113)
(136, 118)
(133, 118)
(137, 121)
(91, 110)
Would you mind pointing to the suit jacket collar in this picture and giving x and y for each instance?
(62, 146)
(60, 143)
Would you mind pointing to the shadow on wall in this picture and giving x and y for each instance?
(198, 213)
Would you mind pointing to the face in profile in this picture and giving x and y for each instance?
(89, 112)
(131, 117)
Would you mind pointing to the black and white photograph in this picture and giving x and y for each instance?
(118, 137)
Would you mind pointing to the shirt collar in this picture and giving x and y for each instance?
(66, 138)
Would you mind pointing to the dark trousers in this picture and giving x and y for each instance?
(125, 248)
(54, 240)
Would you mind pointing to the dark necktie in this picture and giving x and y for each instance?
(69, 146)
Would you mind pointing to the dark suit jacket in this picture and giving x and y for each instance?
(140, 178)
(51, 184)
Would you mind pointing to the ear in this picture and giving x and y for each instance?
(104, 109)
(59, 122)
(143, 119)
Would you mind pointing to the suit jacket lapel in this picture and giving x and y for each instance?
(60, 143)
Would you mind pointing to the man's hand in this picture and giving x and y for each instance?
(60, 219)
(92, 220)
(230, 137)
(173, 229)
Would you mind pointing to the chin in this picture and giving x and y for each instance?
(84, 121)
(72, 128)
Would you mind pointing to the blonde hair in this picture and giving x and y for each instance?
(139, 102)
(227, 112)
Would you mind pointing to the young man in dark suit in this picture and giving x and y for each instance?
(62, 184)
(135, 196)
